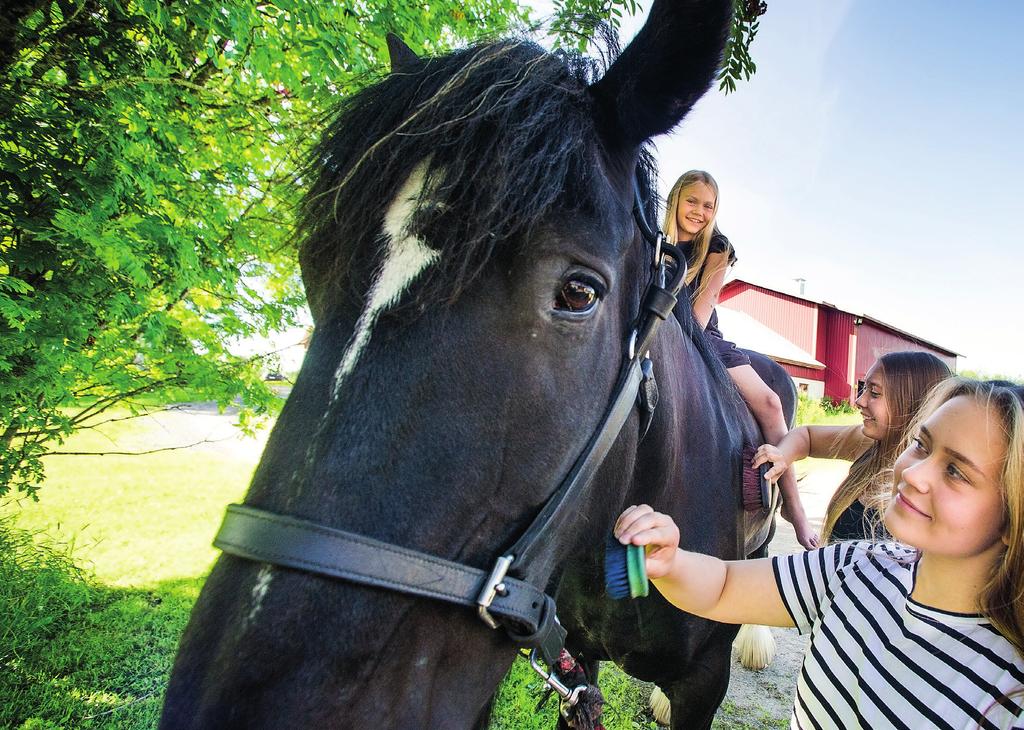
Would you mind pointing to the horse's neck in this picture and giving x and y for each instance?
(687, 462)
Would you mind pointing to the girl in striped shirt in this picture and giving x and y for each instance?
(926, 632)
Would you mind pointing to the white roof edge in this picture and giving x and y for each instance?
(750, 334)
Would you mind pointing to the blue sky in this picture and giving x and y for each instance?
(878, 154)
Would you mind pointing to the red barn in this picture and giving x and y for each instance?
(829, 351)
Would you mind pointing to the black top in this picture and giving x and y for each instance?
(718, 244)
(730, 355)
(855, 524)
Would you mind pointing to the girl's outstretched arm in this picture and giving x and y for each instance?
(732, 592)
(826, 442)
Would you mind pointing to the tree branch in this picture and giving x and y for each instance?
(103, 404)
(164, 409)
(135, 453)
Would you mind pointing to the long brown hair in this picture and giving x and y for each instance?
(906, 379)
(702, 241)
(1002, 598)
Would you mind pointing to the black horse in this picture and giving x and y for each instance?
(688, 466)
(474, 271)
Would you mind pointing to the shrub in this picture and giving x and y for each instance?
(43, 595)
(824, 412)
(41, 588)
(837, 407)
(809, 410)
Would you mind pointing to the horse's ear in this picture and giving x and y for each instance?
(663, 72)
(402, 57)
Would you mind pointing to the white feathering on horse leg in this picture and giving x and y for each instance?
(755, 646)
(661, 707)
(406, 258)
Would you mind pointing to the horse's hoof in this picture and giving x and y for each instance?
(755, 646)
(661, 708)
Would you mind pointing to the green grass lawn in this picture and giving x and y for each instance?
(93, 616)
(97, 613)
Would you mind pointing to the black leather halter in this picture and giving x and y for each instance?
(525, 612)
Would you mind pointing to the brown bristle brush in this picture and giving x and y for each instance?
(757, 493)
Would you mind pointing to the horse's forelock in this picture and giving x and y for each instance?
(510, 138)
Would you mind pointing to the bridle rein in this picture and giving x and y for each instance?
(525, 611)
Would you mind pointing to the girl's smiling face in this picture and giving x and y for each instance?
(947, 498)
(873, 407)
(695, 208)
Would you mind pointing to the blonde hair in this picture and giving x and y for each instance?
(906, 379)
(702, 241)
(1002, 598)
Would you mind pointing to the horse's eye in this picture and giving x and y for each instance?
(576, 295)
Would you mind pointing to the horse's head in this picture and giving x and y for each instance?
(474, 271)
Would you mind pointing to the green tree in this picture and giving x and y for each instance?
(149, 152)
(983, 375)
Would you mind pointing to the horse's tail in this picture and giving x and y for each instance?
(755, 646)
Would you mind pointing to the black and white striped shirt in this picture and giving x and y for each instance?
(878, 659)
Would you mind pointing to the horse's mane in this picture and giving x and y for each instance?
(505, 132)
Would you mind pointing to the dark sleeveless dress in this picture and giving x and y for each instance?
(730, 355)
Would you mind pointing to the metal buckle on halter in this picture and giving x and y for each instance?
(568, 697)
(493, 586)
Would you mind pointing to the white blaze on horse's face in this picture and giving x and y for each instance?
(406, 258)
